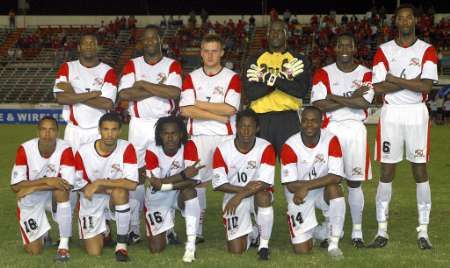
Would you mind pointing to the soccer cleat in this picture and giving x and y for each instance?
(199, 240)
(122, 255)
(62, 255)
(172, 238)
(378, 242)
(358, 243)
(324, 243)
(254, 242)
(189, 255)
(336, 254)
(424, 243)
(133, 238)
(263, 254)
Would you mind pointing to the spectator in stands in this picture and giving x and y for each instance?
(132, 22)
(12, 19)
(204, 16)
(273, 14)
(192, 21)
(251, 22)
(287, 16)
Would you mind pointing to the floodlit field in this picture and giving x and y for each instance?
(401, 251)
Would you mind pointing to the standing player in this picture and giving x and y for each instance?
(311, 170)
(403, 71)
(87, 89)
(106, 170)
(150, 83)
(275, 82)
(44, 168)
(210, 98)
(244, 169)
(343, 90)
(172, 165)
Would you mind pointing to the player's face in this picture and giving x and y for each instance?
(151, 42)
(88, 47)
(310, 123)
(171, 137)
(345, 49)
(405, 21)
(109, 132)
(246, 129)
(47, 131)
(211, 53)
(277, 35)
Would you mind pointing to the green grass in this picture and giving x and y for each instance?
(401, 250)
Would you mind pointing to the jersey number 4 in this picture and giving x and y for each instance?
(296, 218)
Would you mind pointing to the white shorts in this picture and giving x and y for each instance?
(239, 224)
(77, 136)
(141, 133)
(158, 208)
(93, 215)
(352, 136)
(206, 145)
(31, 215)
(403, 124)
(302, 218)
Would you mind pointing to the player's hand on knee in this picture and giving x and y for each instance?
(154, 182)
(58, 183)
(300, 195)
(90, 189)
(231, 206)
(24, 192)
(192, 171)
(67, 87)
(254, 185)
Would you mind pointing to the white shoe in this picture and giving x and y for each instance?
(189, 255)
(336, 253)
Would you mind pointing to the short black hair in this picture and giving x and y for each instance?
(345, 34)
(247, 113)
(83, 34)
(406, 6)
(152, 27)
(313, 109)
(172, 119)
(111, 117)
(48, 117)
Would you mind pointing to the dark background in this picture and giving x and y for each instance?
(180, 7)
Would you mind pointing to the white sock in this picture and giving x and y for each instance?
(337, 218)
(134, 220)
(264, 219)
(64, 219)
(123, 217)
(383, 198)
(356, 203)
(192, 216)
(201, 195)
(423, 194)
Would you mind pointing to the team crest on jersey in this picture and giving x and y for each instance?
(319, 159)
(98, 81)
(175, 165)
(414, 62)
(51, 169)
(218, 91)
(356, 84)
(418, 153)
(161, 78)
(356, 171)
(251, 164)
(116, 167)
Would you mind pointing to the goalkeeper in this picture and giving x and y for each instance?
(275, 82)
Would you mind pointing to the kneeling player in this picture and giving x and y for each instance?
(172, 168)
(311, 170)
(106, 170)
(244, 171)
(44, 168)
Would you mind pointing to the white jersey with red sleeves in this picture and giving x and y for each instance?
(120, 164)
(99, 78)
(331, 80)
(30, 165)
(223, 87)
(299, 162)
(417, 60)
(161, 165)
(233, 167)
(167, 71)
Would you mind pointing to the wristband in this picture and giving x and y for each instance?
(166, 187)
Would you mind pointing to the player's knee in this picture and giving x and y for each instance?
(61, 195)
(333, 191)
(353, 184)
(188, 193)
(94, 251)
(34, 249)
(263, 198)
(119, 196)
(156, 245)
(303, 248)
(387, 172)
(237, 251)
(420, 172)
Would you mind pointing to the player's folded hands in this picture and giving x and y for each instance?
(292, 68)
(58, 183)
(257, 74)
(231, 206)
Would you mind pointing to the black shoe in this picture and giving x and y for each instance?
(324, 243)
(199, 240)
(358, 243)
(255, 243)
(122, 255)
(264, 254)
(133, 238)
(172, 238)
(424, 243)
(378, 242)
